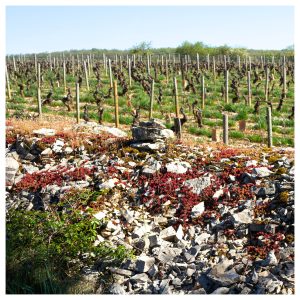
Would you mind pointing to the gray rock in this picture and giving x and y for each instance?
(140, 278)
(117, 289)
(140, 231)
(160, 220)
(224, 278)
(247, 178)
(30, 168)
(167, 254)
(109, 184)
(47, 152)
(154, 240)
(221, 290)
(202, 238)
(12, 167)
(152, 130)
(261, 172)
(198, 184)
(122, 272)
(178, 167)
(153, 271)
(168, 234)
(144, 263)
(57, 146)
(270, 228)
(152, 168)
(142, 146)
(244, 217)
(45, 132)
(264, 191)
(142, 244)
(198, 210)
(270, 260)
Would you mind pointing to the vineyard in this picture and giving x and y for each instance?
(150, 174)
(207, 89)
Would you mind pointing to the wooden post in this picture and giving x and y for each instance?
(203, 92)
(39, 102)
(77, 103)
(214, 68)
(110, 73)
(197, 62)
(284, 81)
(207, 62)
(65, 82)
(177, 122)
(225, 63)
(87, 66)
(215, 135)
(105, 66)
(269, 124)
(129, 71)
(267, 85)
(133, 57)
(151, 100)
(86, 75)
(7, 83)
(176, 98)
(116, 103)
(167, 72)
(226, 87)
(225, 129)
(249, 88)
(39, 75)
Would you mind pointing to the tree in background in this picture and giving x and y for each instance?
(142, 48)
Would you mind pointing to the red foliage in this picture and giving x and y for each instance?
(270, 241)
(38, 180)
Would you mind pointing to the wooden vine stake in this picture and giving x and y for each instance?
(116, 98)
(197, 62)
(284, 81)
(7, 83)
(214, 68)
(65, 82)
(167, 72)
(77, 103)
(269, 124)
(249, 88)
(208, 63)
(86, 76)
(151, 100)
(203, 92)
(226, 87)
(110, 73)
(225, 129)
(129, 71)
(39, 102)
(39, 75)
(177, 122)
(267, 86)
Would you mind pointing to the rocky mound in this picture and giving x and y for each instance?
(200, 220)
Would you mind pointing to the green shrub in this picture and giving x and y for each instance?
(44, 250)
